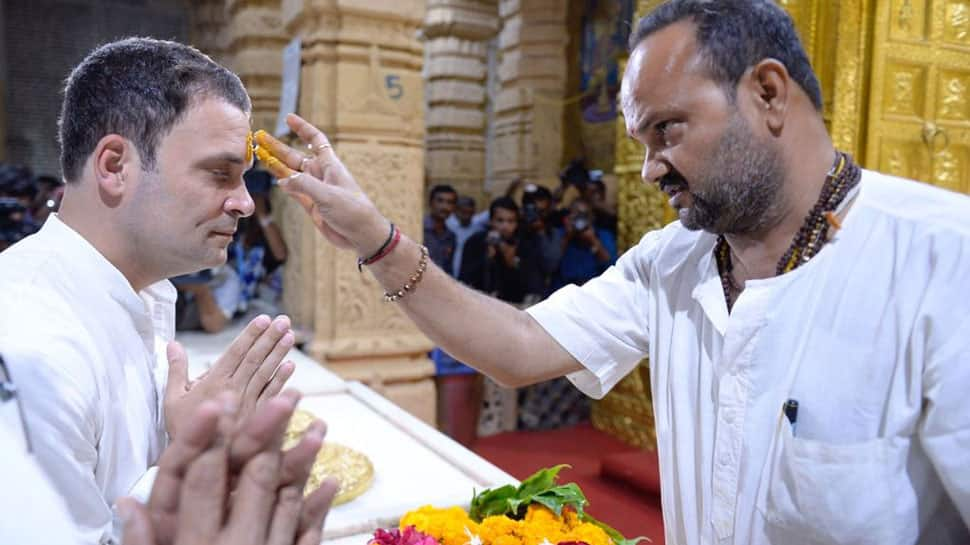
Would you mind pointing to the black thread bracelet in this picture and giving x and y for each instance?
(362, 262)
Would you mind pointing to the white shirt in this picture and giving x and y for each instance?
(871, 337)
(80, 344)
(30, 509)
(462, 234)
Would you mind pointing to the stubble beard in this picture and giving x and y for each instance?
(739, 190)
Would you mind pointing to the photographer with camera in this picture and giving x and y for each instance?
(540, 234)
(495, 262)
(587, 251)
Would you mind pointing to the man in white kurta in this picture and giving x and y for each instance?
(154, 139)
(81, 346)
(871, 337)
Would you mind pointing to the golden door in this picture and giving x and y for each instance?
(919, 108)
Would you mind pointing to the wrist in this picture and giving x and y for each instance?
(376, 236)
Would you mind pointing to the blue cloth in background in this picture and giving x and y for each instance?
(445, 365)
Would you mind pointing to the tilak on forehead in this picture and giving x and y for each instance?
(269, 150)
(248, 155)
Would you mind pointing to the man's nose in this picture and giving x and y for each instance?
(653, 170)
(240, 203)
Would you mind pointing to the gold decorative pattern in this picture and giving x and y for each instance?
(905, 90)
(950, 168)
(848, 94)
(352, 469)
(919, 109)
(954, 100)
(957, 21)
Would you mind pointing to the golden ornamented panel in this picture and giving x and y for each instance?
(905, 89)
(919, 112)
(908, 20)
(956, 23)
(953, 101)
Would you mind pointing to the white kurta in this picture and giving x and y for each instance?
(871, 337)
(81, 347)
(32, 510)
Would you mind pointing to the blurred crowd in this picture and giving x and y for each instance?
(525, 245)
(25, 202)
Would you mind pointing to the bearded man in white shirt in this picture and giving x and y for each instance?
(793, 276)
(154, 142)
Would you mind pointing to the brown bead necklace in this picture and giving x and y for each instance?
(813, 234)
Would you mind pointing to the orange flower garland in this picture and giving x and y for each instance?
(452, 526)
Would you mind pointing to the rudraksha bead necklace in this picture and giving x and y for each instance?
(813, 234)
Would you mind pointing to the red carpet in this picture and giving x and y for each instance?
(620, 481)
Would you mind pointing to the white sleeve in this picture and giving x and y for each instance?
(31, 507)
(603, 324)
(944, 338)
(62, 423)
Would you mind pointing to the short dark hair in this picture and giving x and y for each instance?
(734, 35)
(465, 201)
(505, 203)
(441, 188)
(535, 193)
(17, 181)
(137, 88)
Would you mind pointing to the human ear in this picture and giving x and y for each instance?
(770, 86)
(113, 160)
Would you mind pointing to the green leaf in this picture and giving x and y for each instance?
(540, 481)
(553, 505)
(564, 495)
(491, 502)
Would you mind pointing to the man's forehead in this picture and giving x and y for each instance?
(658, 67)
(214, 125)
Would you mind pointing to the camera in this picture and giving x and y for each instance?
(580, 222)
(13, 221)
(493, 238)
(530, 213)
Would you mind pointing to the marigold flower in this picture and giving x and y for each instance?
(446, 525)
(590, 534)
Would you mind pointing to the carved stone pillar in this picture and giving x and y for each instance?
(456, 34)
(361, 84)
(256, 41)
(208, 30)
(532, 76)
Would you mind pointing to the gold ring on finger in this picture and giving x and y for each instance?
(319, 149)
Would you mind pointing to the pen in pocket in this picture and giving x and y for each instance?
(790, 408)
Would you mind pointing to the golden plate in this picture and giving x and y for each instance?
(352, 468)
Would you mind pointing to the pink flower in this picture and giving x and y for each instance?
(410, 536)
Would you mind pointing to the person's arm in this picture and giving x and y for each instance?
(943, 338)
(211, 316)
(597, 246)
(498, 339)
(271, 232)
